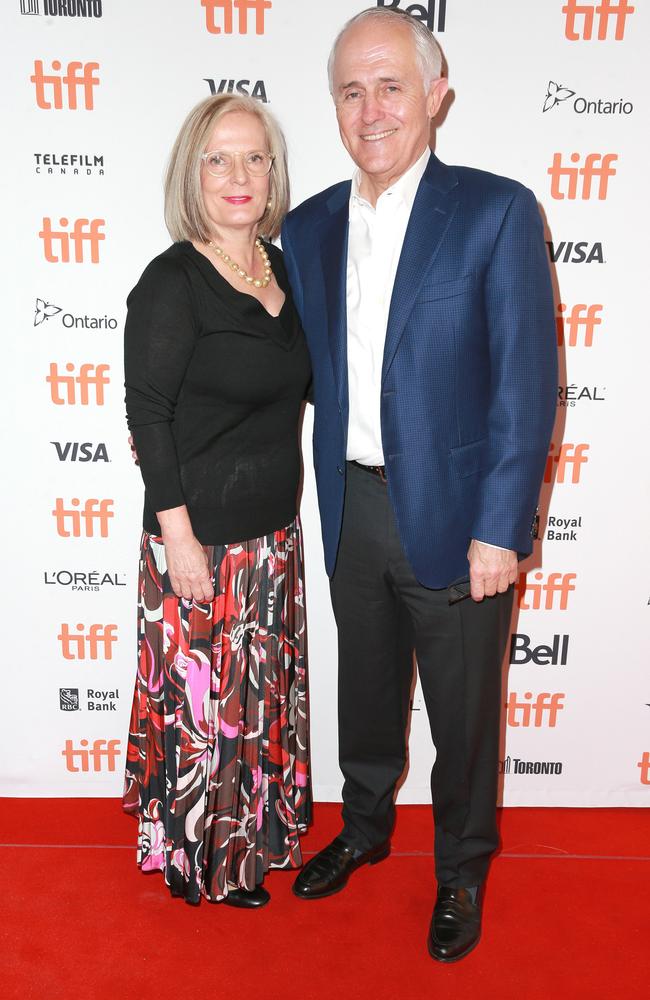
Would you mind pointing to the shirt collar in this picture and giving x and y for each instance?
(403, 190)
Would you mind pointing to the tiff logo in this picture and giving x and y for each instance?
(644, 764)
(544, 710)
(557, 585)
(102, 751)
(50, 86)
(572, 456)
(228, 7)
(93, 511)
(83, 231)
(76, 389)
(94, 644)
(581, 317)
(596, 165)
(421, 11)
(603, 11)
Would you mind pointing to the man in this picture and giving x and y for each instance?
(426, 300)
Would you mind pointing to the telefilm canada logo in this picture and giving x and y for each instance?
(249, 88)
(69, 164)
(557, 95)
(44, 311)
(62, 8)
(433, 13)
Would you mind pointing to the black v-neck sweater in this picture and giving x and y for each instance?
(214, 386)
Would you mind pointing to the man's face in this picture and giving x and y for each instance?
(382, 108)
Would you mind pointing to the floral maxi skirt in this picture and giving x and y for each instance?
(217, 764)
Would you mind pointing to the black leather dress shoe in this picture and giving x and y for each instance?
(330, 870)
(247, 899)
(455, 925)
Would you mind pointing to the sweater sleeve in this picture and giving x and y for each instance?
(159, 340)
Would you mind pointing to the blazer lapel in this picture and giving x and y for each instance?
(433, 210)
(334, 256)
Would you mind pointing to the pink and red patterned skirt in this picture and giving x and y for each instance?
(218, 755)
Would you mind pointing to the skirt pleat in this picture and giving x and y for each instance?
(218, 754)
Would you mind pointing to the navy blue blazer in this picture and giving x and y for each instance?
(469, 377)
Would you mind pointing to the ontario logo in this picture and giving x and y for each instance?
(557, 94)
(45, 311)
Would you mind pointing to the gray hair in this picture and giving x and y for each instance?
(427, 51)
(185, 213)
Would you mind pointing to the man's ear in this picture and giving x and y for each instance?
(436, 95)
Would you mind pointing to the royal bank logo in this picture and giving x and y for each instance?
(69, 164)
(45, 311)
(249, 88)
(563, 529)
(69, 699)
(433, 13)
(556, 95)
(62, 8)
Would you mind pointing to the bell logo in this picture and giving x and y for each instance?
(77, 760)
(596, 165)
(603, 11)
(644, 764)
(258, 7)
(84, 231)
(573, 455)
(94, 644)
(580, 317)
(50, 87)
(544, 710)
(93, 511)
(422, 12)
(561, 584)
(74, 389)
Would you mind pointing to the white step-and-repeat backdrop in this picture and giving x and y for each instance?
(553, 93)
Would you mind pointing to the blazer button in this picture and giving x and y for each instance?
(339, 469)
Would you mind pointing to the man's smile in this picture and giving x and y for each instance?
(374, 136)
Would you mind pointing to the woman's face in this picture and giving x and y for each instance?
(237, 200)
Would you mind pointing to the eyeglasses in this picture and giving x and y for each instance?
(256, 162)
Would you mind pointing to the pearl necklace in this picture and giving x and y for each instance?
(256, 282)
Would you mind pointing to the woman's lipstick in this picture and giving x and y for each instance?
(238, 199)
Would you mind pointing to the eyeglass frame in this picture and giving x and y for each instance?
(234, 153)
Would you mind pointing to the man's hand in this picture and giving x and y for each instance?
(187, 565)
(491, 570)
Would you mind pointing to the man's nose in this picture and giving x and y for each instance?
(371, 110)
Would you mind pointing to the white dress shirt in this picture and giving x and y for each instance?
(375, 243)
(375, 240)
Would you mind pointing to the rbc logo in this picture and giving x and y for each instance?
(557, 584)
(50, 86)
(421, 11)
(596, 166)
(93, 511)
(102, 751)
(604, 10)
(84, 231)
(580, 317)
(228, 7)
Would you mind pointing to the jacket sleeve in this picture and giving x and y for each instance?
(523, 378)
(159, 340)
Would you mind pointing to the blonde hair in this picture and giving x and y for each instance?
(185, 214)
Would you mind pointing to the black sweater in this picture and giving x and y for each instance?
(214, 387)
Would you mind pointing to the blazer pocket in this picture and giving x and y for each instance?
(431, 292)
(467, 459)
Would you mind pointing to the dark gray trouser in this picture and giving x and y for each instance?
(382, 613)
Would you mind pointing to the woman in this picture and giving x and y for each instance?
(216, 372)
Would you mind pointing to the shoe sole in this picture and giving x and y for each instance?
(332, 892)
(456, 958)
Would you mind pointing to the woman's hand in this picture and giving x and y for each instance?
(187, 563)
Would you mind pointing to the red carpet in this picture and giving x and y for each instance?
(567, 915)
